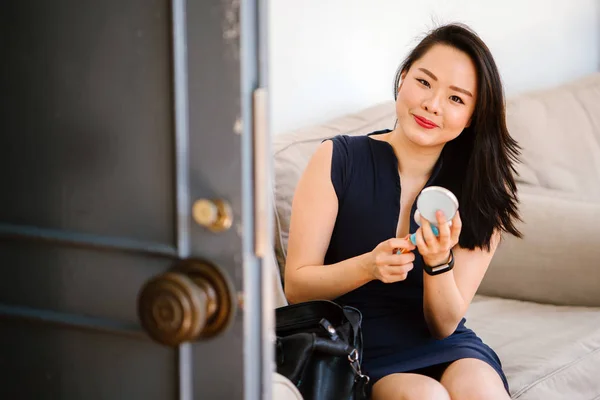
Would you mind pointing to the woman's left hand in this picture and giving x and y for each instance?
(436, 250)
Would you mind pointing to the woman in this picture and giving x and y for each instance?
(355, 202)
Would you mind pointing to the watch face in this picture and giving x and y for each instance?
(440, 268)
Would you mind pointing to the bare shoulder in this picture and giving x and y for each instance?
(324, 152)
(317, 169)
(314, 210)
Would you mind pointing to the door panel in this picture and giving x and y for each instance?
(89, 281)
(61, 363)
(116, 118)
(93, 80)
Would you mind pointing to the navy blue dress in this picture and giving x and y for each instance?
(364, 173)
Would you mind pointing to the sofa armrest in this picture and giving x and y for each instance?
(558, 259)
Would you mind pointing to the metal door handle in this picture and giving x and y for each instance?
(215, 215)
(191, 301)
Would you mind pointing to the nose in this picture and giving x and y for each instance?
(432, 104)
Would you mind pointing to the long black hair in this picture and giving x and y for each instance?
(479, 163)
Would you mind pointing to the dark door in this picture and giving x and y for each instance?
(128, 245)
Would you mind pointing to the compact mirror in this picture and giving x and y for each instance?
(432, 199)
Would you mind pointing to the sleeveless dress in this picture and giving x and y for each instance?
(364, 173)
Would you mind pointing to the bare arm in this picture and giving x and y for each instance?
(314, 211)
(446, 297)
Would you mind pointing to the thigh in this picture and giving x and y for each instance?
(405, 386)
(470, 378)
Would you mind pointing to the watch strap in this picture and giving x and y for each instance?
(440, 269)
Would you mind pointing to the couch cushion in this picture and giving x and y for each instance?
(548, 352)
(559, 131)
(293, 150)
(560, 241)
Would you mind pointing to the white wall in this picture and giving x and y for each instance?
(331, 57)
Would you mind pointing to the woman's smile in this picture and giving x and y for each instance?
(424, 122)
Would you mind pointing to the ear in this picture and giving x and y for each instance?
(402, 76)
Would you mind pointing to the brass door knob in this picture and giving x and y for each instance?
(191, 301)
(215, 215)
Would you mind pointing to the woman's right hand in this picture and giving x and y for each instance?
(387, 266)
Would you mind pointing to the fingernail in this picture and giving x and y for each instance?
(413, 239)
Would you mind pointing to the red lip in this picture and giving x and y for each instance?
(424, 122)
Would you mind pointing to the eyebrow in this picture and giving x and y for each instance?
(432, 76)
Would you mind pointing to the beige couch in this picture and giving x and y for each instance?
(539, 304)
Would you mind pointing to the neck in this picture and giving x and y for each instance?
(414, 162)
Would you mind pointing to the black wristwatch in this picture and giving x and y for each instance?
(440, 269)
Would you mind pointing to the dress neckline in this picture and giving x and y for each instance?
(390, 150)
(391, 155)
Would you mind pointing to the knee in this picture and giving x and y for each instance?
(409, 387)
(468, 389)
(472, 392)
(473, 380)
(430, 391)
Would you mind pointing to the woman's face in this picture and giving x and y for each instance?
(436, 96)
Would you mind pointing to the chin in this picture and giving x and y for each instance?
(422, 138)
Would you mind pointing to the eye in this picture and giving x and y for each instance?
(423, 82)
(457, 99)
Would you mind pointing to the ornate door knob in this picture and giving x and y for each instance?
(191, 301)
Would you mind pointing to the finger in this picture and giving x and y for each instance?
(456, 228)
(396, 260)
(444, 229)
(386, 275)
(421, 245)
(398, 243)
(428, 236)
(393, 278)
(406, 250)
(402, 251)
(395, 274)
(401, 269)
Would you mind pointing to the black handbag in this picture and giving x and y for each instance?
(319, 349)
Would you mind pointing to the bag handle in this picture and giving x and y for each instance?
(336, 347)
(341, 349)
